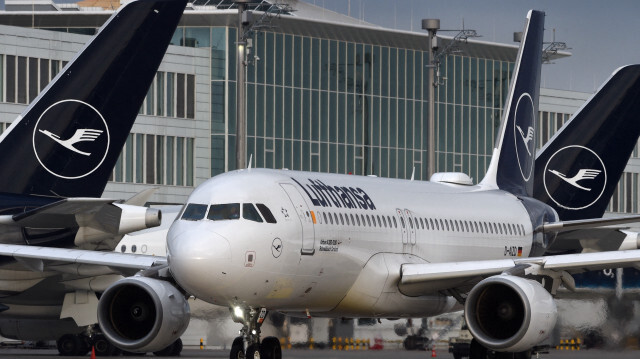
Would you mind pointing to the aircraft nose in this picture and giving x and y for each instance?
(196, 258)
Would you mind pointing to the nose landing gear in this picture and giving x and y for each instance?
(248, 344)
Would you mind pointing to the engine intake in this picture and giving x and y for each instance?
(141, 314)
(508, 313)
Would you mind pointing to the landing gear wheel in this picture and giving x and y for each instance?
(69, 345)
(253, 352)
(177, 348)
(270, 348)
(171, 351)
(477, 351)
(103, 348)
(237, 349)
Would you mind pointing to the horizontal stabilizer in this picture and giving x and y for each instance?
(586, 223)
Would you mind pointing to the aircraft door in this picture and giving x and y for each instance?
(403, 225)
(305, 216)
(412, 227)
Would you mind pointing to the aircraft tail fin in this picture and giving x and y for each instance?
(68, 140)
(579, 168)
(511, 167)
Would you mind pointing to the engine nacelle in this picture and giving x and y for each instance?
(140, 314)
(135, 218)
(508, 313)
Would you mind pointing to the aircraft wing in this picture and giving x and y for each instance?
(423, 278)
(47, 258)
(100, 222)
(60, 214)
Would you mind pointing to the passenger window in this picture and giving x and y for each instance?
(395, 224)
(368, 220)
(336, 218)
(249, 212)
(379, 222)
(324, 214)
(358, 218)
(194, 212)
(341, 219)
(330, 218)
(353, 221)
(346, 217)
(218, 212)
(421, 223)
(384, 221)
(266, 213)
(415, 221)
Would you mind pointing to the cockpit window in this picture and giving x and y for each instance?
(194, 212)
(219, 212)
(266, 213)
(249, 212)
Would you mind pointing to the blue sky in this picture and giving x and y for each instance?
(602, 35)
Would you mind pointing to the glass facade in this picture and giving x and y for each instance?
(315, 103)
(326, 105)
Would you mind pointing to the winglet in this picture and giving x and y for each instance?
(511, 167)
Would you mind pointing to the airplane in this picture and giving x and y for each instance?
(579, 168)
(330, 245)
(62, 150)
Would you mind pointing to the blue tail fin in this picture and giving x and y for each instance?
(511, 167)
(68, 140)
(578, 170)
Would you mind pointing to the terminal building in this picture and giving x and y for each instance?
(325, 92)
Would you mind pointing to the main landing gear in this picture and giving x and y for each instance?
(248, 344)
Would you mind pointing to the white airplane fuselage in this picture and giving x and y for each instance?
(339, 241)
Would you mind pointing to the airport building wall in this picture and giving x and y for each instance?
(325, 92)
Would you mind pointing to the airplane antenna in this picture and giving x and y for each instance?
(250, 160)
(413, 173)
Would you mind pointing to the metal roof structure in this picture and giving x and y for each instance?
(295, 17)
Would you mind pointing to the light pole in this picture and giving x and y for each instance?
(431, 25)
(241, 105)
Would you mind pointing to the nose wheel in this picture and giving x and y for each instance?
(248, 345)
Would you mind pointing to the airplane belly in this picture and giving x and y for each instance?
(375, 292)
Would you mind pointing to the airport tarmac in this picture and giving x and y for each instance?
(328, 354)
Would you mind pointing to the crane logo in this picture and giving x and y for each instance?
(526, 139)
(83, 134)
(71, 139)
(575, 177)
(582, 174)
(524, 134)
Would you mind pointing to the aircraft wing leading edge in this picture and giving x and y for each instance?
(427, 278)
(121, 262)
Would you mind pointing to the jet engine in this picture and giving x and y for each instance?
(508, 313)
(141, 314)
